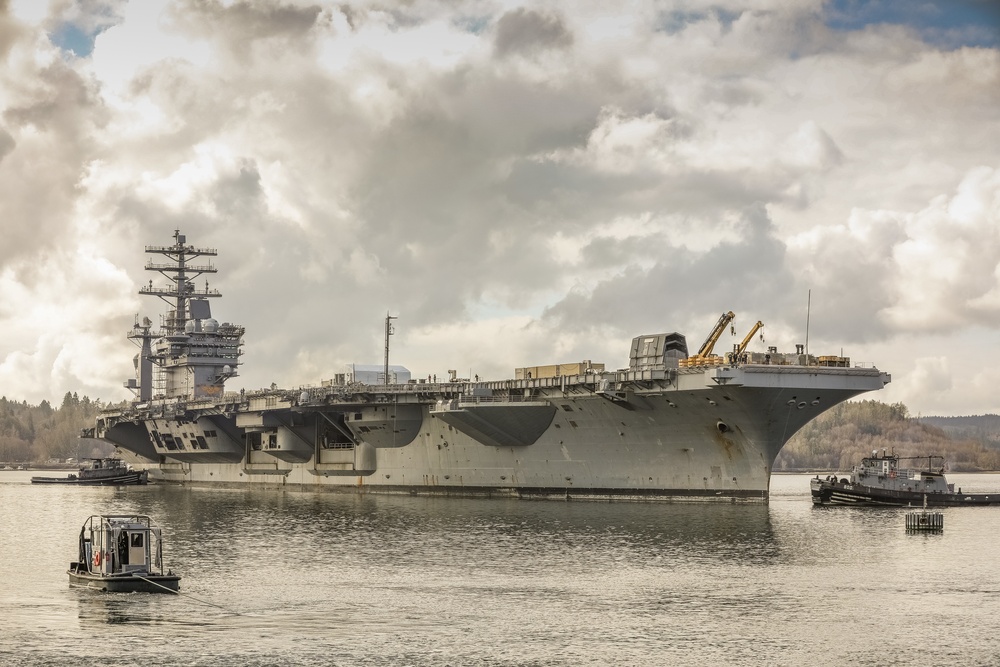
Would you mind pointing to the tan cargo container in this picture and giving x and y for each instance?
(557, 370)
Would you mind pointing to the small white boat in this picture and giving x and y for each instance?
(122, 554)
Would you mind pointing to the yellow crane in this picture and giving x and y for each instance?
(741, 348)
(713, 338)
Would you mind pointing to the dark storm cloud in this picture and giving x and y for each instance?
(10, 30)
(243, 24)
(526, 32)
(676, 20)
(743, 272)
(238, 195)
(7, 143)
(446, 175)
(852, 284)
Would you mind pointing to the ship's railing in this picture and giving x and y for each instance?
(187, 250)
(173, 291)
(337, 445)
(356, 388)
(466, 387)
(790, 369)
(476, 400)
(203, 268)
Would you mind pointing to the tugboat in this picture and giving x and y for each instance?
(122, 554)
(105, 472)
(880, 480)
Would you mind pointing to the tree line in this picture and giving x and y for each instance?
(839, 438)
(37, 433)
(985, 428)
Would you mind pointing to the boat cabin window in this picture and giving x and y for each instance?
(136, 540)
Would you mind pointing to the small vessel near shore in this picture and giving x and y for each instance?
(122, 554)
(101, 472)
(881, 480)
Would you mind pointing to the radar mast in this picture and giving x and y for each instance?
(194, 355)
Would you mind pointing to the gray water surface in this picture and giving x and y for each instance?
(292, 578)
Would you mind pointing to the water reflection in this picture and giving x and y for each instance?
(97, 607)
(248, 528)
(320, 579)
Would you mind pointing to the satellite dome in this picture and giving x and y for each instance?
(210, 325)
(189, 327)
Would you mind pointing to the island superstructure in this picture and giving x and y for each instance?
(670, 426)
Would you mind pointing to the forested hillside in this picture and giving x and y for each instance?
(842, 436)
(985, 428)
(37, 433)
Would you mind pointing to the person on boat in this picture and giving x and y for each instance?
(123, 547)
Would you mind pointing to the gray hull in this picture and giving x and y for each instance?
(688, 434)
(839, 493)
(79, 577)
(126, 479)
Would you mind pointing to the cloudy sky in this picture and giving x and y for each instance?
(520, 184)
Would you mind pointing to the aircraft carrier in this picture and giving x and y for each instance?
(671, 426)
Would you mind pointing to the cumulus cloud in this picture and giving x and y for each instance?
(519, 184)
(932, 270)
(931, 377)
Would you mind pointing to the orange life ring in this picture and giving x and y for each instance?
(97, 558)
(892, 474)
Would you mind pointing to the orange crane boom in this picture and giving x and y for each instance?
(706, 347)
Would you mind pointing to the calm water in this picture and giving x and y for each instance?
(329, 579)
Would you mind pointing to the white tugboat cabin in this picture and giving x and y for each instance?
(122, 554)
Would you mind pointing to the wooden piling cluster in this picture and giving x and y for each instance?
(924, 520)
